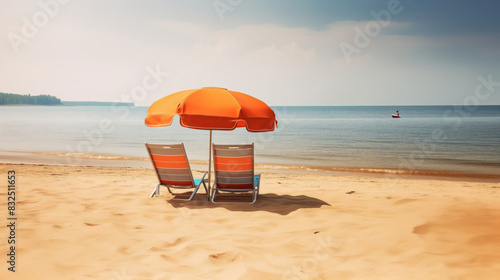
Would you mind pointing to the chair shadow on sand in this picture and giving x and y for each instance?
(269, 202)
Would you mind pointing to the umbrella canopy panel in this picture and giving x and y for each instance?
(212, 108)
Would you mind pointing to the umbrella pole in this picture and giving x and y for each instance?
(209, 165)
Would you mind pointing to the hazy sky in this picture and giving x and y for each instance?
(285, 52)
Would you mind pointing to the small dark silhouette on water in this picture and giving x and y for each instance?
(397, 115)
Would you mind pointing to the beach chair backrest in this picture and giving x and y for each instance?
(171, 164)
(234, 166)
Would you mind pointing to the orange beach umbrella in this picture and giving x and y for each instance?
(212, 108)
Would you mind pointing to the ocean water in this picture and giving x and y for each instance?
(439, 138)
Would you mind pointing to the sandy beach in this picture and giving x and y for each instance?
(374, 127)
(90, 222)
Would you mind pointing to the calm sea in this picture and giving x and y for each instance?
(442, 138)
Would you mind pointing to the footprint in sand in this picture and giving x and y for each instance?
(166, 245)
(224, 258)
(422, 229)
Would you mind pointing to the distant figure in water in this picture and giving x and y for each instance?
(397, 113)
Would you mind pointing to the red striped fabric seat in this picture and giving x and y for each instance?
(172, 169)
(234, 171)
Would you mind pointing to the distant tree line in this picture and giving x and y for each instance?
(11, 98)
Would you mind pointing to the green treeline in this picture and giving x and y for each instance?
(28, 99)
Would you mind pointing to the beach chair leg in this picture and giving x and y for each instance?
(206, 190)
(203, 180)
(156, 191)
(195, 191)
(211, 197)
(192, 195)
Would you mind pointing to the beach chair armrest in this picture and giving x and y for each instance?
(257, 184)
(257, 180)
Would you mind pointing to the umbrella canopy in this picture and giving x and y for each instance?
(212, 108)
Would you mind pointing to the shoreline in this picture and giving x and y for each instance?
(103, 160)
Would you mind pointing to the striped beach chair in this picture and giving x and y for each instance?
(235, 180)
(173, 171)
